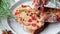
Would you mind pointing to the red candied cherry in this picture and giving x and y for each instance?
(17, 12)
(30, 20)
(33, 18)
(33, 25)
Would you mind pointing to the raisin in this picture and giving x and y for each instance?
(38, 8)
(37, 21)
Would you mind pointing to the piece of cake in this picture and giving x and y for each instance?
(28, 17)
(52, 14)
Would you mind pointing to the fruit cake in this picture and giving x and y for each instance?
(28, 17)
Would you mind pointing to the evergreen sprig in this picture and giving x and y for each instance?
(5, 8)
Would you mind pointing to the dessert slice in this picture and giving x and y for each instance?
(52, 14)
(28, 17)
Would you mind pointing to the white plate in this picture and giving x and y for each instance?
(17, 28)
